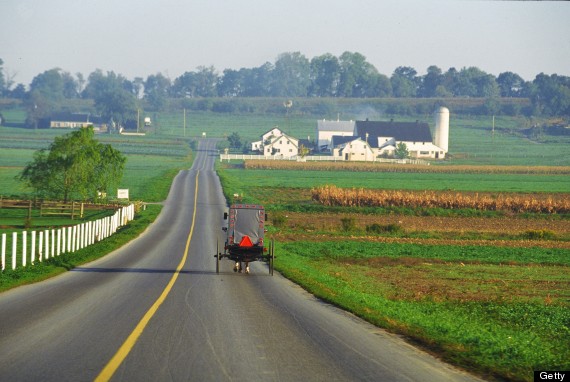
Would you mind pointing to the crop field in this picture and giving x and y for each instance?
(489, 182)
(486, 290)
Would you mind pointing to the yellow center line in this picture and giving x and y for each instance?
(127, 346)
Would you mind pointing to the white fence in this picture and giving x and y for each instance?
(329, 158)
(49, 243)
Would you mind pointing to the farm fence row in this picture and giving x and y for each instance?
(49, 243)
(328, 158)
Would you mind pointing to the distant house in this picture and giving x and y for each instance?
(352, 149)
(282, 146)
(76, 121)
(384, 136)
(266, 138)
(326, 130)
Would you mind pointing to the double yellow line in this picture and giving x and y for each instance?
(111, 367)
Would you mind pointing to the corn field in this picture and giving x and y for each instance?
(330, 195)
(384, 167)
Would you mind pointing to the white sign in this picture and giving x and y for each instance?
(122, 193)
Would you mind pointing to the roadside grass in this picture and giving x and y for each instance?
(43, 270)
(500, 312)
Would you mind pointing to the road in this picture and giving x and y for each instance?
(155, 310)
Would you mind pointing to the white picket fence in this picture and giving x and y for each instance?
(50, 243)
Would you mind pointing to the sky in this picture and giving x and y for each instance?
(137, 38)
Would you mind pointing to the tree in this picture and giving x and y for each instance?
(325, 75)
(75, 166)
(117, 105)
(404, 82)
(234, 140)
(431, 81)
(3, 87)
(401, 151)
(291, 76)
(230, 84)
(156, 89)
(510, 84)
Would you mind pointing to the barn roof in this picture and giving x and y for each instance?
(345, 126)
(338, 140)
(400, 131)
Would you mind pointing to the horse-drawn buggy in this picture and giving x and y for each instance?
(245, 234)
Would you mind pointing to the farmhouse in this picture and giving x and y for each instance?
(276, 143)
(76, 120)
(352, 149)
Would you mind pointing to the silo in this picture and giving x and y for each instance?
(441, 132)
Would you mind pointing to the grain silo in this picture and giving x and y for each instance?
(441, 132)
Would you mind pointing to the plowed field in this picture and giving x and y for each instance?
(307, 227)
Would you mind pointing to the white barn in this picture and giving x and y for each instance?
(326, 130)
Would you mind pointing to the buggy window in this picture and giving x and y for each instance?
(247, 222)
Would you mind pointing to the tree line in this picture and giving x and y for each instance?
(292, 75)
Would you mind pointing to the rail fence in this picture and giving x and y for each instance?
(55, 208)
(29, 247)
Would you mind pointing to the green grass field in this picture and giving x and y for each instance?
(498, 311)
(401, 181)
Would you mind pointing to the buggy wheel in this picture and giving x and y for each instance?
(271, 256)
(217, 257)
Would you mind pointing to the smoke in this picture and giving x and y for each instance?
(364, 112)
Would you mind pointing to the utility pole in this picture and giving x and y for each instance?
(184, 121)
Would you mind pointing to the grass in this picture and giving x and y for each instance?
(54, 266)
(499, 312)
(406, 181)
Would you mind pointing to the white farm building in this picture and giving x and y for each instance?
(277, 144)
(366, 140)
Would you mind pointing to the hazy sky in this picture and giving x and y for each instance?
(143, 37)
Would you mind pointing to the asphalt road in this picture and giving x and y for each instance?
(131, 316)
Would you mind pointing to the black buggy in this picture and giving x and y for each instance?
(245, 233)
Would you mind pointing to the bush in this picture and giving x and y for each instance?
(278, 220)
(387, 228)
(540, 234)
(348, 224)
